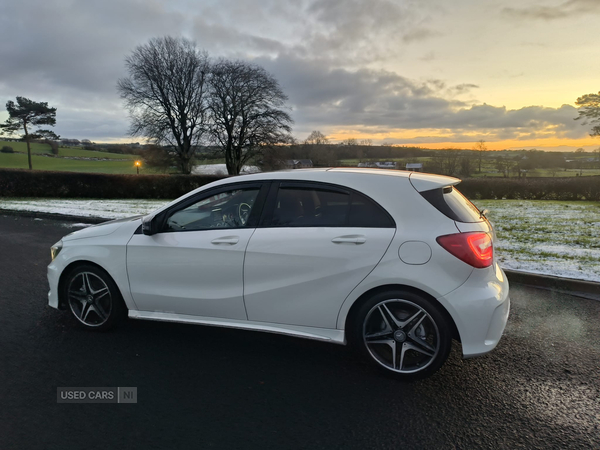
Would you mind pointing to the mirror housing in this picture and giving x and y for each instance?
(149, 225)
(484, 212)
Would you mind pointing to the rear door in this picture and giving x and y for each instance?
(315, 244)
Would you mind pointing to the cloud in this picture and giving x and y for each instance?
(464, 88)
(327, 54)
(563, 10)
(357, 32)
(385, 102)
(71, 55)
(221, 39)
(419, 34)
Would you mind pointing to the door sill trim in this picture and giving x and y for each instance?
(321, 334)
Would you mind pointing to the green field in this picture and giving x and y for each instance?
(488, 168)
(44, 149)
(113, 162)
(19, 161)
(544, 173)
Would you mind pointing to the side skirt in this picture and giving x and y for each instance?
(320, 334)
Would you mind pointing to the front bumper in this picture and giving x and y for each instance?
(480, 309)
(53, 277)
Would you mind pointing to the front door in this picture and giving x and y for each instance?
(194, 265)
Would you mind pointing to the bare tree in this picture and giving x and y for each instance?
(480, 147)
(503, 166)
(165, 94)
(246, 110)
(466, 165)
(366, 142)
(450, 161)
(316, 138)
(273, 158)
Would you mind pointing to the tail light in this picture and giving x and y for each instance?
(473, 248)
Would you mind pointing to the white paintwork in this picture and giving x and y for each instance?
(192, 272)
(297, 281)
(321, 334)
(301, 276)
(480, 310)
(414, 252)
(94, 245)
(426, 181)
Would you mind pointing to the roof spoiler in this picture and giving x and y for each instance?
(426, 181)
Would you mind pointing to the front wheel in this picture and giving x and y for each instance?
(403, 333)
(93, 298)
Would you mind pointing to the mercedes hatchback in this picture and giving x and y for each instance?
(396, 264)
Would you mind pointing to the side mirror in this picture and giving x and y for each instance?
(484, 212)
(149, 225)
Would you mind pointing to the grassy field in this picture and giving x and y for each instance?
(42, 160)
(19, 161)
(488, 168)
(551, 237)
(544, 173)
(44, 149)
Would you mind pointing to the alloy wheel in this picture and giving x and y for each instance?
(401, 336)
(90, 299)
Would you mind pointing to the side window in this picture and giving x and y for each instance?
(314, 207)
(365, 213)
(230, 209)
(297, 207)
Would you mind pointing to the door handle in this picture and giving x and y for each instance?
(351, 239)
(225, 240)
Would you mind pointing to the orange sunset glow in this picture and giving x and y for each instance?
(431, 73)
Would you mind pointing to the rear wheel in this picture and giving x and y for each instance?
(403, 333)
(93, 298)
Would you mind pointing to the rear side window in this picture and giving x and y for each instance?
(450, 202)
(314, 207)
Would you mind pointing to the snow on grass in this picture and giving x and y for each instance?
(547, 237)
(220, 169)
(76, 225)
(105, 209)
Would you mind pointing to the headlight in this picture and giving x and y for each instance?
(55, 249)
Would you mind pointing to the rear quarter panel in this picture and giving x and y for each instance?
(416, 220)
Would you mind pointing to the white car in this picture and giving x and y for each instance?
(394, 263)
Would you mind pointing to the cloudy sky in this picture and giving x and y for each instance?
(434, 73)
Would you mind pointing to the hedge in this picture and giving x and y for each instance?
(28, 183)
(566, 188)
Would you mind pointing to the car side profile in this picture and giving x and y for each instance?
(396, 264)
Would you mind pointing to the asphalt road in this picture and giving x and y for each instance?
(202, 387)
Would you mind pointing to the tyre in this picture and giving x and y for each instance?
(402, 333)
(93, 298)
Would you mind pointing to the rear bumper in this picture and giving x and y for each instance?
(480, 309)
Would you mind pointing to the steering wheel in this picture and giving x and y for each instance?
(244, 212)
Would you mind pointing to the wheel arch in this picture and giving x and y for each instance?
(62, 303)
(401, 287)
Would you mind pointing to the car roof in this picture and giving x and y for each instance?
(361, 179)
(420, 181)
